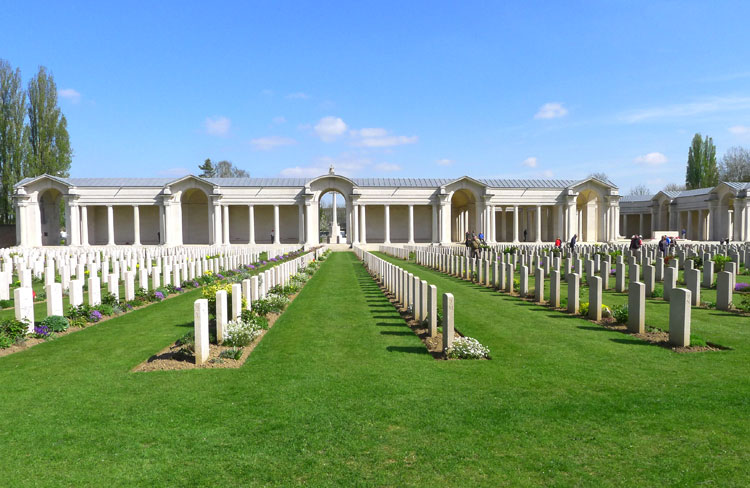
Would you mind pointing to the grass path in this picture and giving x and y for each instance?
(340, 392)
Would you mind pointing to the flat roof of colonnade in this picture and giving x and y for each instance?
(301, 182)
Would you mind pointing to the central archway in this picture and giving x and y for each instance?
(195, 228)
(332, 221)
(463, 214)
(590, 221)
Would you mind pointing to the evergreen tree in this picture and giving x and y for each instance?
(13, 137)
(207, 169)
(702, 170)
(710, 168)
(48, 129)
(695, 156)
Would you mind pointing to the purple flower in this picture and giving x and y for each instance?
(251, 267)
(178, 289)
(159, 295)
(742, 287)
(41, 330)
(95, 316)
(220, 276)
(195, 284)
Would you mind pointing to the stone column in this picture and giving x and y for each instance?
(251, 224)
(276, 236)
(445, 219)
(311, 229)
(411, 224)
(435, 230)
(110, 226)
(493, 224)
(641, 219)
(162, 225)
(217, 223)
(225, 224)
(84, 226)
(503, 237)
(363, 224)
(74, 231)
(301, 231)
(713, 230)
(515, 223)
(136, 226)
(702, 225)
(334, 217)
(355, 223)
(387, 210)
(538, 231)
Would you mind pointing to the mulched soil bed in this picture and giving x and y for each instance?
(170, 358)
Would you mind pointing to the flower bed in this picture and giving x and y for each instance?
(15, 337)
(241, 335)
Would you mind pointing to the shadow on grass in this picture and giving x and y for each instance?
(632, 342)
(407, 349)
(396, 332)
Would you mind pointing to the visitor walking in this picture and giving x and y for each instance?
(663, 246)
(272, 236)
(573, 241)
(525, 233)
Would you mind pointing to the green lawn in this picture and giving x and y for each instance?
(340, 392)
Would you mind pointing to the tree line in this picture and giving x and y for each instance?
(702, 169)
(33, 132)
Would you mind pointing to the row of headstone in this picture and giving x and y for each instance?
(252, 289)
(412, 293)
(176, 268)
(503, 277)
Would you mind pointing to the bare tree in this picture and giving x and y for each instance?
(674, 187)
(601, 177)
(640, 190)
(735, 165)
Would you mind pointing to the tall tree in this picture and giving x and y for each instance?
(735, 165)
(674, 187)
(207, 169)
(48, 129)
(702, 171)
(13, 137)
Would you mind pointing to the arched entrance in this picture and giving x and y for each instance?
(50, 202)
(463, 214)
(332, 221)
(195, 228)
(590, 218)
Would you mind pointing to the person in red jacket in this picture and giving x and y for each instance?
(558, 242)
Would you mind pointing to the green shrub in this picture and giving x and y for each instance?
(14, 329)
(6, 303)
(261, 307)
(583, 308)
(658, 292)
(720, 261)
(109, 299)
(620, 313)
(105, 309)
(231, 353)
(56, 323)
(278, 302)
(744, 304)
(5, 341)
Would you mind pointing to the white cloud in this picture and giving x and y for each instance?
(369, 132)
(652, 159)
(551, 110)
(270, 142)
(387, 167)
(217, 126)
(691, 109)
(329, 128)
(279, 120)
(444, 162)
(298, 96)
(175, 172)
(740, 130)
(70, 94)
(378, 137)
(530, 162)
(302, 172)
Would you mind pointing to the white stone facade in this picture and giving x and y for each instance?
(216, 211)
(705, 214)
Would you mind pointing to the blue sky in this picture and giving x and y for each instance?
(414, 89)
